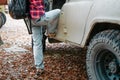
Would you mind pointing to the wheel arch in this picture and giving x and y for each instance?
(101, 26)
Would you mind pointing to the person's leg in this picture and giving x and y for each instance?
(51, 15)
(44, 38)
(47, 18)
(38, 47)
(52, 18)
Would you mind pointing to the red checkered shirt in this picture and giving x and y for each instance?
(36, 8)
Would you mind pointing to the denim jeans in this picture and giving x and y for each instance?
(38, 46)
(50, 19)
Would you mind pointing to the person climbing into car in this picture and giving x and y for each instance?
(39, 19)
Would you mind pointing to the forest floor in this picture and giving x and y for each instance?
(62, 61)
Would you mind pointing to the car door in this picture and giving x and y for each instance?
(73, 19)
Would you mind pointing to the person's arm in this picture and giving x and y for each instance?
(3, 2)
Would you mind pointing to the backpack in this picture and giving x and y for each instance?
(18, 9)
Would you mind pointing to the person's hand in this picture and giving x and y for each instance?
(3, 2)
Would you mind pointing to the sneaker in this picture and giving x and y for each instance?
(51, 35)
(39, 72)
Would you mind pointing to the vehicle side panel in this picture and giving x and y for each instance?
(102, 11)
(72, 21)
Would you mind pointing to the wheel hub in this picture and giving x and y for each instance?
(113, 67)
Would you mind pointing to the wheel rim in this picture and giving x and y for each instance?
(107, 66)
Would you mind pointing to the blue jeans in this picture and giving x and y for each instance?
(50, 19)
(38, 46)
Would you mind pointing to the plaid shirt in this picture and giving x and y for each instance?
(36, 8)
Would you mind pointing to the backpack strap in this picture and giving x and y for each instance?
(28, 24)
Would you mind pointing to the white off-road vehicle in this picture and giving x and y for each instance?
(94, 25)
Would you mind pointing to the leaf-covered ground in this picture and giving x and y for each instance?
(62, 61)
(66, 63)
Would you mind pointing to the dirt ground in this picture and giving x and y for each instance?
(62, 61)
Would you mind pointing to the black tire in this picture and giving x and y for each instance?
(103, 56)
(1, 42)
(2, 19)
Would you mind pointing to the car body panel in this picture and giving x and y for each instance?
(106, 11)
(78, 17)
(73, 20)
